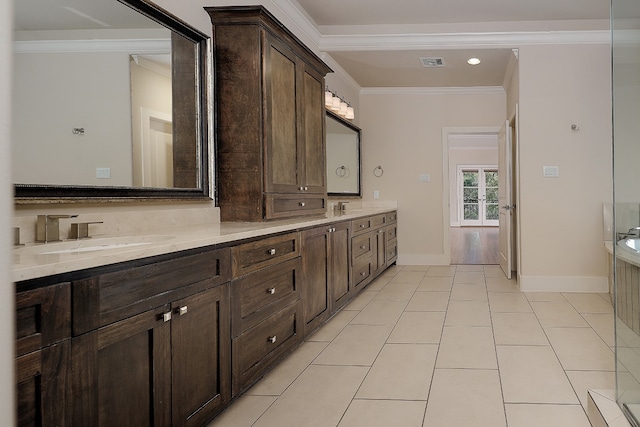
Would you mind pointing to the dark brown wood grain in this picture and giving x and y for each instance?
(316, 281)
(340, 256)
(253, 256)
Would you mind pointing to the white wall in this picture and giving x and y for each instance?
(561, 218)
(402, 132)
(96, 99)
(7, 293)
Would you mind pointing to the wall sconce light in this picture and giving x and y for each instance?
(338, 105)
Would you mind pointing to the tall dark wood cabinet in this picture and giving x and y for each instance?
(270, 137)
(340, 257)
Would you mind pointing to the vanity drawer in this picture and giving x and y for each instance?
(110, 297)
(257, 349)
(360, 248)
(361, 272)
(392, 251)
(361, 225)
(378, 220)
(286, 206)
(43, 317)
(260, 294)
(392, 232)
(392, 217)
(250, 257)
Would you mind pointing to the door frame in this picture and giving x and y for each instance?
(446, 185)
(460, 185)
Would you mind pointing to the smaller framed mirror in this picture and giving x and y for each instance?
(343, 157)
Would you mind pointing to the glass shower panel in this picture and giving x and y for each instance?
(625, 22)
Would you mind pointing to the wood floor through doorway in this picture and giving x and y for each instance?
(474, 245)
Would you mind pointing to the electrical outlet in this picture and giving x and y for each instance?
(550, 171)
(103, 173)
(424, 178)
(376, 194)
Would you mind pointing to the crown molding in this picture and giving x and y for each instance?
(369, 42)
(341, 72)
(432, 90)
(301, 21)
(138, 46)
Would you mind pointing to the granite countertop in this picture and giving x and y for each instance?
(29, 262)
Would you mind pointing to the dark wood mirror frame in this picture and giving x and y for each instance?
(348, 125)
(194, 166)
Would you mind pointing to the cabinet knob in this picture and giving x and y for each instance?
(182, 310)
(271, 291)
(301, 188)
(272, 251)
(166, 317)
(380, 231)
(361, 225)
(306, 188)
(363, 247)
(363, 274)
(302, 204)
(272, 339)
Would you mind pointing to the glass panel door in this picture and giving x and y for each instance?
(478, 196)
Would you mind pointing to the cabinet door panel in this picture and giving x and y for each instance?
(42, 386)
(282, 156)
(314, 147)
(315, 277)
(340, 261)
(121, 373)
(201, 356)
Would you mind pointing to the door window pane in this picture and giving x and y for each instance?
(471, 212)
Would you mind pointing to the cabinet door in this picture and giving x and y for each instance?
(315, 276)
(122, 373)
(42, 386)
(313, 151)
(281, 124)
(379, 249)
(340, 256)
(201, 356)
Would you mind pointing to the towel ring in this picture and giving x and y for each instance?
(342, 171)
(378, 171)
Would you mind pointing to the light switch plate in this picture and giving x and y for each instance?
(551, 171)
(376, 194)
(424, 177)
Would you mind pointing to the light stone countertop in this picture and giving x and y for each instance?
(29, 265)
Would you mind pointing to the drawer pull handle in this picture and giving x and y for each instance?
(363, 274)
(182, 310)
(380, 231)
(272, 339)
(302, 204)
(272, 251)
(331, 230)
(363, 247)
(362, 225)
(301, 188)
(271, 291)
(166, 317)
(306, 188)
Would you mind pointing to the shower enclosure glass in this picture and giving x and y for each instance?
(625, 23)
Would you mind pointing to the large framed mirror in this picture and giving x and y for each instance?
(109, 101)
(343, 157)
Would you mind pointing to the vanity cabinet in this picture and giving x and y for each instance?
(266, 310)
(43, 344)
(325, 272)
(270, 118)
(151, 344)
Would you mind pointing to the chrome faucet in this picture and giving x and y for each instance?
(633, 232)
(48, 227)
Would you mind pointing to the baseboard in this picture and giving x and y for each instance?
(564, 284)
(422, 259)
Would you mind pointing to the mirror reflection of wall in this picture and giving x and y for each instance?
(94, 97)
(343, 157)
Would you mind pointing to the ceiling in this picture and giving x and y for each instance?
(406, 30)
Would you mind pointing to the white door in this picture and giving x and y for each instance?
(478, 195)
(154, 164)
(504, 199)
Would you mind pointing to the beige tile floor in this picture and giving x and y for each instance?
(439, 347)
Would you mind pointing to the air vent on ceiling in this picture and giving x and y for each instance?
(432, 62)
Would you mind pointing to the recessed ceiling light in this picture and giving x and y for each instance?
(473, 61)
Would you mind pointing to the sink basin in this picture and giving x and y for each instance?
(89, 245)
(633, 244)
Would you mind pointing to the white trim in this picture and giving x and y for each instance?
(300, 20)
(139, 46)
(432, 90)
(564, 284)
(341, 72)
(371, 42)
